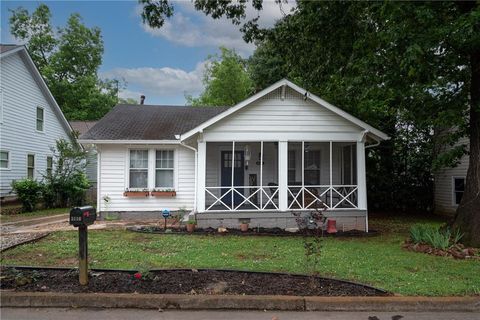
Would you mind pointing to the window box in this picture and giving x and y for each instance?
(163, 193)
(136, 193)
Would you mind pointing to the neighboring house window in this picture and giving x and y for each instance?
(4, 160)
(49, 166)
(40, 118)
(164, 169)
(458, 189)
(30, 166)
(138, 177)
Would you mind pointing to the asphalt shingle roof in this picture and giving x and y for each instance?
(149, 122)
(82, 126)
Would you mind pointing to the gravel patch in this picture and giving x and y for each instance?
(8, 241)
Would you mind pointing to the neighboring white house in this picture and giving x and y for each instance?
(30, 119)
(450, 185)
(279, 151)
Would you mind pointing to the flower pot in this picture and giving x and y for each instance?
(136, 194)
(190, 227)
(244, 227)
(163, 193)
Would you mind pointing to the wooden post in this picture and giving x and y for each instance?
(283, 175)
(201, 175)
(83, 255)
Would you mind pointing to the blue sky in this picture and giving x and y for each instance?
(163, 64)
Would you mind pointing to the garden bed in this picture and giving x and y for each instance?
(181, 281)
(250, 232)
(457, 251)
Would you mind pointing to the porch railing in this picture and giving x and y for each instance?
(329, 196)
(247, 198)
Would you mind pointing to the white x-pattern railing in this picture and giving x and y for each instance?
(308, 197)
(264, 195)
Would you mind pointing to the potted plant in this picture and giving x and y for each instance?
(191, 223)
(136, 193)
(163, 193)
(244, 224)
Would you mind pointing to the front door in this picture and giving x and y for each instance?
(226, 176)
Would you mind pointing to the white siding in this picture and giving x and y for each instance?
(18, 135)
(282, 120)
(444, 203)
(113, 181)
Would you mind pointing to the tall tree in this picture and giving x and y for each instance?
(409, 68)
(68, 60)
(226, 81)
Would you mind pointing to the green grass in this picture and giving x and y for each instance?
(31, 215)
(378, 261)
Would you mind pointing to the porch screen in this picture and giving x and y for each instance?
(138, 169)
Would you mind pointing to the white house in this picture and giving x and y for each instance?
(279, 151)
(450, 185)
(30, 120)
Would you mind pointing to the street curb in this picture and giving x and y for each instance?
(216, 302)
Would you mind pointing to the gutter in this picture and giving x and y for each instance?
(88, 141)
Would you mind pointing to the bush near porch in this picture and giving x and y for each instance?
(378, 261)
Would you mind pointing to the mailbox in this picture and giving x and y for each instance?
(83, 216)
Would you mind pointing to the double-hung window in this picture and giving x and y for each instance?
(138, 176)
(40, 118)
(4, 160)
(164, 169)
(458, 189)
(49, 166)
(30, 166)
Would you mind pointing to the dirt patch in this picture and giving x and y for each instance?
(457, 251)
(182, 282)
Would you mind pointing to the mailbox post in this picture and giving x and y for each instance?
(82, 217)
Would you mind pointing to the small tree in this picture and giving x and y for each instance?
(67, 183)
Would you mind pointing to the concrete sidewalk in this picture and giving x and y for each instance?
(232, 302)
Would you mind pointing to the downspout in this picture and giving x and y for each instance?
(196, 170)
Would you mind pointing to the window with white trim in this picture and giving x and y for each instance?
(458, 189)
(49, 165)
(40, 118)
(164, 169)
(138, 175)
(4, 159)
(30, 166)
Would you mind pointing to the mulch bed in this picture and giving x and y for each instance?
(458, 251)
(250, 232)
(181, 281)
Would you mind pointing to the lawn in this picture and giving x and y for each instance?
(378, 261)
(31, 215)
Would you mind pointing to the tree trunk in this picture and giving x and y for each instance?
(467, 218)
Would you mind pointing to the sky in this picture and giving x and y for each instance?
(163, 64)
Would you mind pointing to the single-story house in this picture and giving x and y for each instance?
(280, 151)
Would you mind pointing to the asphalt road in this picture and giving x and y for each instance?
(121, 314)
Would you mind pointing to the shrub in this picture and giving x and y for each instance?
(440, 238)
(28, 192)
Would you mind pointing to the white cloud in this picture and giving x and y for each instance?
(191, 28)
(158, 82)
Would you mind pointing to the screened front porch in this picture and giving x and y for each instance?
(280, 176)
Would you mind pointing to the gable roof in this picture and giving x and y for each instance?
(148, 123)
(371, 131)
(9, 49)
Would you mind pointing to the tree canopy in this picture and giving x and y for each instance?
(226, 81)
(412, 69)
(68, 60)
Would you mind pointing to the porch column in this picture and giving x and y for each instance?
(283, 175)
(201, 174)
(361, 176)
